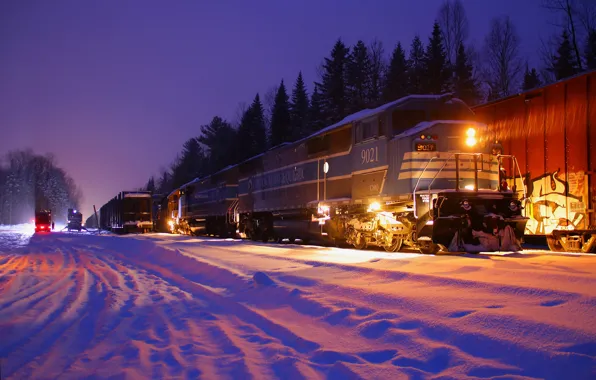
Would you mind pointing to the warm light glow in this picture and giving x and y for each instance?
(471, 132)
(471, 141)
(469, 187)
(375, 206)
(171, 223)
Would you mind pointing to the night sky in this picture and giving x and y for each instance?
(113, 88)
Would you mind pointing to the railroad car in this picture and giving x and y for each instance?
(128, 211)
(551, 132)
(418, 171)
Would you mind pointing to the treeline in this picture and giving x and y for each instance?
(361, 76)
(29, 182)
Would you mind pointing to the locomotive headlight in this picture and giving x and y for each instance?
(375, 206)
(171, 223)
(471, 139)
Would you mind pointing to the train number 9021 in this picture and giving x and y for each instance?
(426, 147)
(369, 155)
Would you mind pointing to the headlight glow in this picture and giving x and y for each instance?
(471, 132)
(375, 206)
(471, 141)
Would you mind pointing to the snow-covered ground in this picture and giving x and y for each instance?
(160, 306)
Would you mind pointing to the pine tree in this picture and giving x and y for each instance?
(396, 82)
(280, 118)
(218, 136)
(416, 74)
(150, 185)
(315, 112)
(531, 79)
(464, 85)
(252, 133)
(590, 50)
(299, 109)
(358, 82)
(190, 164)
(564, 64)
(334, 102)
(435, 64)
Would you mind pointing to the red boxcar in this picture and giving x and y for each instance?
(552, 132)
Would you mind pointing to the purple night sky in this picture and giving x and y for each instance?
(113, 88)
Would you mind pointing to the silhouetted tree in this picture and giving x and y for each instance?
(435, 64)
(416, 67)
(252, 133)
(358, 84)
(396, 80)
(334, 105)
(454, 27)
(218, 136)
(502, 61)
(280, 117)
(564, 63)
(190, 165)
(377, 72)
(531, 79)
(591, 50)
(299, 109)
(315, 114)
(465, 86)
(150, 185)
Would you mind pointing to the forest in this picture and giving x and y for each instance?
(352, 78)
(28, 182)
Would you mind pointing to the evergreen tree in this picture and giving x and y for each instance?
(218, 136)
(416, 74)
(435, 64)
(358, 81)
(334, 102)
(564, 63)
(252, 133)
(150, 185)
(396, 82)
(464, 85)
(165, 182)
(280, 118)
(190, 165)
(315, 112)
(531, 79)
(590, 51)
(299, 109)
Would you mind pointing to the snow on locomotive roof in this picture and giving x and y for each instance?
(427, 124)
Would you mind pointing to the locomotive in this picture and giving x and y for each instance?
(417, 172)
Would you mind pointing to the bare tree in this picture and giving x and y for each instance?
(502, 63)
(454, 26)
(378, 65)
(569, 10)
(240, 110)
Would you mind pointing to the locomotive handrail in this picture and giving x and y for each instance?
(514, 159)
(420, 177)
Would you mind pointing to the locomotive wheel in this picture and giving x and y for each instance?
(431, 250)
(395, 246)
(554, 245)
(360, 242)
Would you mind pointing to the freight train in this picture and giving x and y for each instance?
(128, 211)
(551, 131)
(419, 172)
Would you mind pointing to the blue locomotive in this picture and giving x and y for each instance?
(418, 171)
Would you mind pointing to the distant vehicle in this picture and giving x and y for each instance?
(75, 220)
(43, 221)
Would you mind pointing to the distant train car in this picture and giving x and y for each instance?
(552, 132)
(417, 171)
(129, 211)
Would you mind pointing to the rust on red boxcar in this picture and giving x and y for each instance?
(551, 132)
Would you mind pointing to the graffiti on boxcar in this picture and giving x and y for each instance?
(554, 203)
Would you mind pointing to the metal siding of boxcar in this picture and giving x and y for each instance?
(560, 139)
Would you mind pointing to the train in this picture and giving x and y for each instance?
(551, 132)
(419, 172)
(128, 211)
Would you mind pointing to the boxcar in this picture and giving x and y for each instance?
(551, 132)
(129, 211)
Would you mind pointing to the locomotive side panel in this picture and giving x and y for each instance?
(591, 125)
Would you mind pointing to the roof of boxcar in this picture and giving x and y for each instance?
(537, 89)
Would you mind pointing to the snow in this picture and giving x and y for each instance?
(164, 306)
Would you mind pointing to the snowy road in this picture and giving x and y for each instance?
(159, 306)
